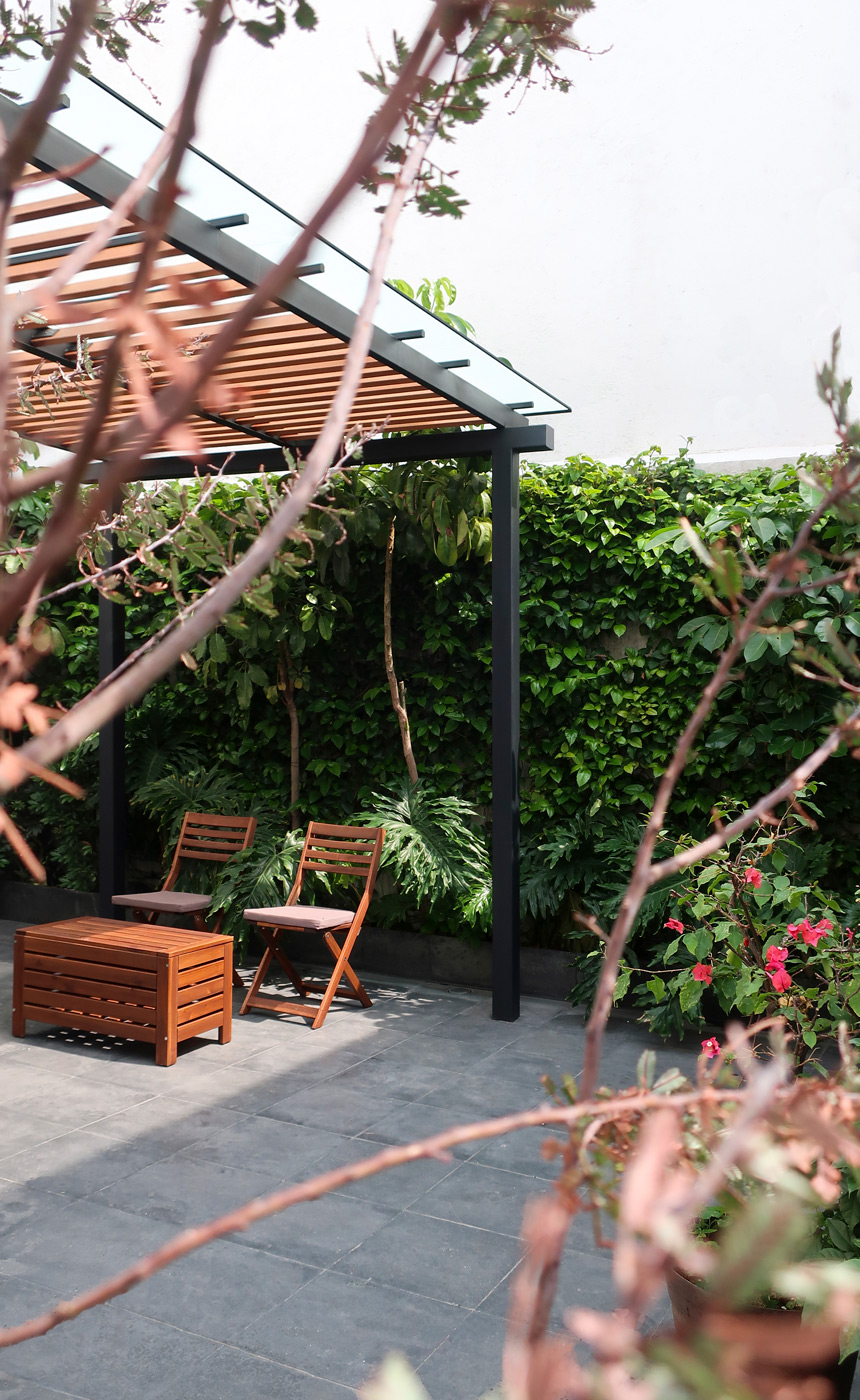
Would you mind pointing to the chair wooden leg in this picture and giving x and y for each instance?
(257, 982)
(348, 972)
(331, 989)
(288, 968)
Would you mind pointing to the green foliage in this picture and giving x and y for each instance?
(438, 297)
(25, 33)
(433, 851)
(169, 797)
(754, 928)
(505, 46)
(608, 588)
(258, 878)
(839, 1226)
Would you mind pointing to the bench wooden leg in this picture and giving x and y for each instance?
(225, 1030)
(19, 1025)
(165, 1009)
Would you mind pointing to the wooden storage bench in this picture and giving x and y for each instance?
(138, 981)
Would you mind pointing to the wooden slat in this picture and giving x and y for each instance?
(99, 937)
(39, 239)
(70, 203)
(108, 257)
(196, 991)
(191, 972)
(206, 1006)
(295, 1008)
(94, 318)
(52, 1017)
(79, 967)
(87, 987)
(196, 958)
(110, 957)
(89, 1006)
(206, 1023)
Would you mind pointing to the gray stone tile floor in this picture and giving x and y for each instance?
(104, 1155)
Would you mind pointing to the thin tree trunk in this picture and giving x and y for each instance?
(398, 690)
(288, 695)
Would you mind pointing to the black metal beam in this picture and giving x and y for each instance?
(112, 795)
(506, 730)
(418, 447)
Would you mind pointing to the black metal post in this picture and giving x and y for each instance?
(506, 729)
(112, 797)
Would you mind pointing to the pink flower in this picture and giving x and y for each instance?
(675, 925)
(775, 957)
(703, 972)
(779, 978)
(711, 1047)
(816, 932)
(752, 877)
(849, 934)
(810, 933)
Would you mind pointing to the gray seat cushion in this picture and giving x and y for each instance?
(312, 916)
(164, 902)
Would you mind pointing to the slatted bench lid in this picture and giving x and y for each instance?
(116, 933)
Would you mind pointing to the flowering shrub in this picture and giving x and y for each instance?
(757, 942)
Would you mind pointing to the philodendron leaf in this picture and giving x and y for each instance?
(395, 1380)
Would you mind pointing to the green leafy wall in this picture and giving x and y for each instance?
(607, 682)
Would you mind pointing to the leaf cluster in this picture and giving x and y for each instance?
(490, 44)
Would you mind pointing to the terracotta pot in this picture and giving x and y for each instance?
(767, 1347)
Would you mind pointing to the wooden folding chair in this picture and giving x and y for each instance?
(350, 851)
(204, 836)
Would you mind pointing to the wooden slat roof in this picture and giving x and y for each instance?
(276, 382)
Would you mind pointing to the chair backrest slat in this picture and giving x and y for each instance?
(205, 836)
(349, 851)
(211, 837)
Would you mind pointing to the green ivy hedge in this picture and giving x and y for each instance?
(616, 645)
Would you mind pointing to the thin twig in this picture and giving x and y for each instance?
(142, 554)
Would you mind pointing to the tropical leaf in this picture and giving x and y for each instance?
(432, 846)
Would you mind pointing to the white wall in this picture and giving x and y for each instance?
(668, 248)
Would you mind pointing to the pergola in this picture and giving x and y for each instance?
(278, 380)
